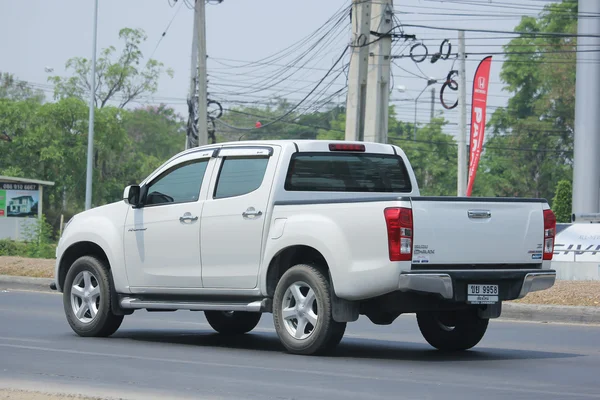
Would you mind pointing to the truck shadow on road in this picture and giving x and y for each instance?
(350, 347)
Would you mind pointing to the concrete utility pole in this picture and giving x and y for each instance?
(357, 76)
(586, 160)
(192, 95)
(378, 77)
(461, 184)
(431, 114)
(90, 148)
(199, 79)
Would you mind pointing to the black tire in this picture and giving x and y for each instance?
(452, 330)
(327, 333)
(104, 323)
(232, 322)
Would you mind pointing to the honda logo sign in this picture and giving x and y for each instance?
(481, 82)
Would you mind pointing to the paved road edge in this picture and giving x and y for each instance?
(510, 311)
(551, 313)
(8, 282)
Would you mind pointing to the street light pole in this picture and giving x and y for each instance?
(430, 82)
(90, 149)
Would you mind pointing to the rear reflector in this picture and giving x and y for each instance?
(399, 224)
(346, 147)
(549, 234)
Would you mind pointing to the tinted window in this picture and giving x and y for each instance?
(347, 173)
(240, 176)
(180, 185)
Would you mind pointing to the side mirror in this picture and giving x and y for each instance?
(131, 195)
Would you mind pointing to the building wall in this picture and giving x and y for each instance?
(577, 271)
(13, 227)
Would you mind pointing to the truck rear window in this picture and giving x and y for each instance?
(345, 172)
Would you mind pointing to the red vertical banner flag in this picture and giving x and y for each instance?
(478, 108)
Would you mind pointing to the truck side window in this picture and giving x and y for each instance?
(179, 185)
(240, 175)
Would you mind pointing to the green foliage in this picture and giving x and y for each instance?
(433, 156)
(119, 79)
(562, 202)
(13, 248)
(14, 89)
(531, 141)
(38, 239)
(49, 142)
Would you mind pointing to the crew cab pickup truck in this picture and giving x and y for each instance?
(315, 233)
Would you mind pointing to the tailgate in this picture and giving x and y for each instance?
(472, 231)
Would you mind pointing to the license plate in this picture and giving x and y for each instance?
(482, 294)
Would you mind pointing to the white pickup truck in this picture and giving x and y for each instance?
(316, 233)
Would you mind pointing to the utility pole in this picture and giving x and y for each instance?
(199, 77)
(90, 148)
(378, 75)
(432, 104)
(192, 101)
(462, 122)
(357, 76)
(586, 160)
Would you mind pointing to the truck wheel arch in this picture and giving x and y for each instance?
(343, 310)
(75, 251)
(290, 256)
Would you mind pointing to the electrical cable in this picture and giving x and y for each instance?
(280, 76)
(535, 34)
(297, 105)
(165, 31)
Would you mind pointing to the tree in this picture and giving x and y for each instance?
(49, 142)
(562, 202)
(14, 89)
(433, 156)
(531, 140)
(120, 80)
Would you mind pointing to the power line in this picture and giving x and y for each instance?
(534, 34)
(165, 31)
(297, 105)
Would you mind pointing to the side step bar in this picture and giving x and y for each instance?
(255, 306)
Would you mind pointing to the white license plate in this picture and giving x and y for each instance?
(482, 294)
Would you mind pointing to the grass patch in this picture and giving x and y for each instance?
(567, 293)
(22, 266)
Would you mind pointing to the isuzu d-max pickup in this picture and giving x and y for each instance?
(316, 233)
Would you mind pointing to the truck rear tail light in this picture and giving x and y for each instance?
(399, 223)
(549, 234)
(346, 147)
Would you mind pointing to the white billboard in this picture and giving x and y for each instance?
(578, 242)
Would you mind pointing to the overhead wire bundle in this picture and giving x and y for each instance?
(309, 74)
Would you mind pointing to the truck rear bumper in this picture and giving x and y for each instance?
(452, 284)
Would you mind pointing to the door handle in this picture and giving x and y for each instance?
(251, 212)
(188, 217)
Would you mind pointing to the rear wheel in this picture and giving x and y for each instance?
(232, 322)
(87, 298)
(452, 330)
(302, 312)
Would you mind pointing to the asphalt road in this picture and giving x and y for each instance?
(177, 355)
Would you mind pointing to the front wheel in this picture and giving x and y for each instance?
(87, 298)
(302, 312)
(452, 330)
